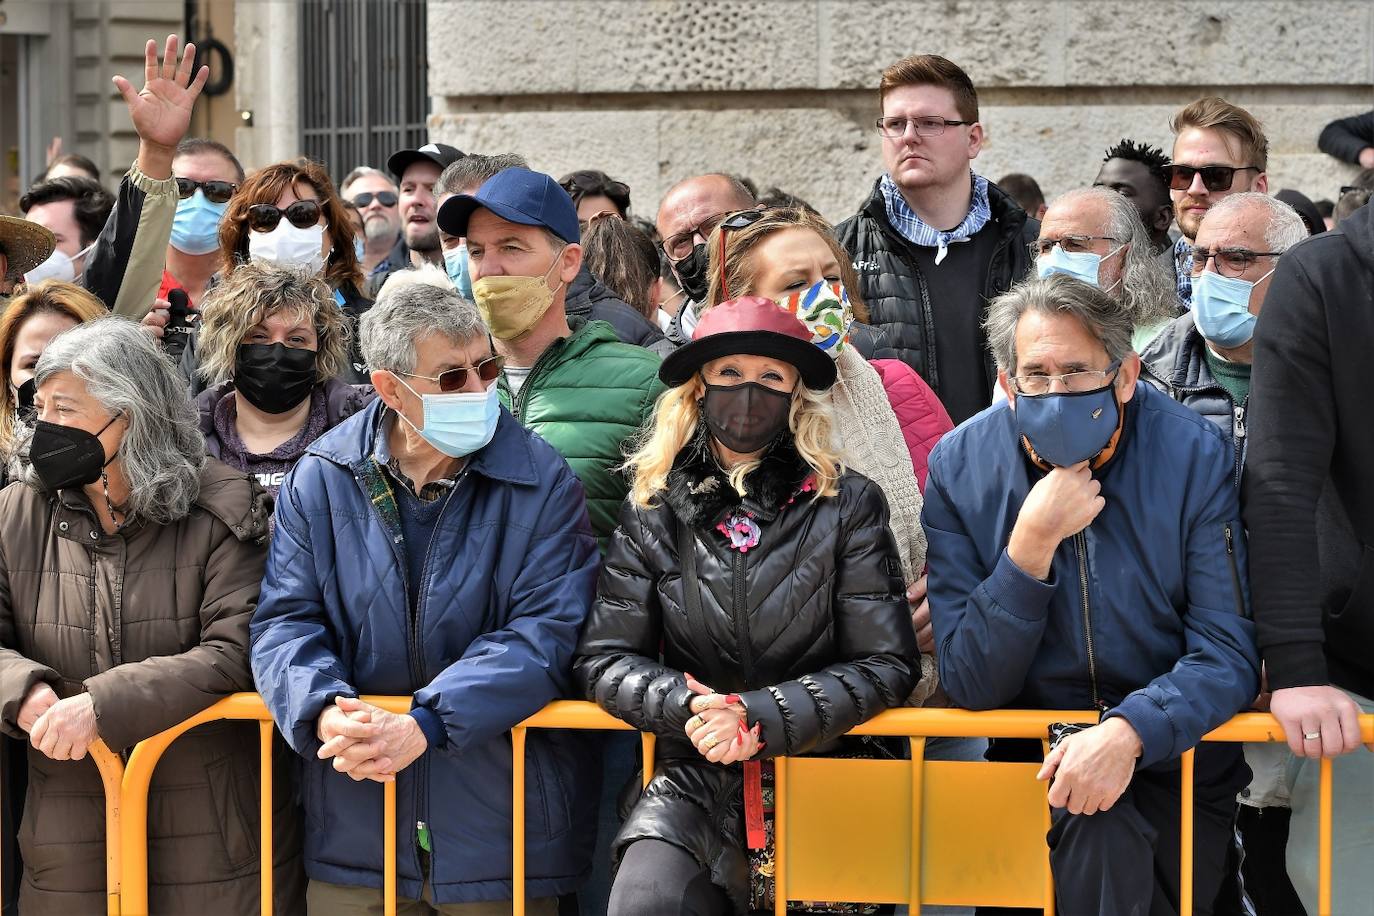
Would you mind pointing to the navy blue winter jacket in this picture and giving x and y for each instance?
(1144, 612)
(510, 577)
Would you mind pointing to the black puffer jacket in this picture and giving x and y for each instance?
(895, 291)
(810, 627)
(1175, 364)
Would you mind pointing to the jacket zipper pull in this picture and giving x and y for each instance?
(1230, 547)
(422, 835)
(1239, 425)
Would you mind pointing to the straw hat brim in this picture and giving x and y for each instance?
(25, 245)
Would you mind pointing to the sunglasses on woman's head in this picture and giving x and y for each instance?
(451, 380)
(217, 192)
(302, 214)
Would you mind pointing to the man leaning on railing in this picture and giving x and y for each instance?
(1086, 551)
(430, 546)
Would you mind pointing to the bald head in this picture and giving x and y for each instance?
(688, 203)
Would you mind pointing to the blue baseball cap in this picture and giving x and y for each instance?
(517, 196)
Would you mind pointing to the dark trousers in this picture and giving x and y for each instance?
(659, 879)
(14, 773)
(1125, 861)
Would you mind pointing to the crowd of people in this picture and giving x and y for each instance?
(457, 430)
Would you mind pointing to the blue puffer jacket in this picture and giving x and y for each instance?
(1145, 611)
(510, 579)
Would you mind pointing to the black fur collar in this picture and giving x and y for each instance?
(700, 494)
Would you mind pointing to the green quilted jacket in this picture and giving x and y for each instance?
(588, 395)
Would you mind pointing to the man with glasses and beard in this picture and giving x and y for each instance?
(1219, 149)
(376, 198)
(686, 216)
(935, 242)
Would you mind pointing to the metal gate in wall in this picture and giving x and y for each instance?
(364, 81)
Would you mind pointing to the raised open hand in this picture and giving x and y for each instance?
(161, 110)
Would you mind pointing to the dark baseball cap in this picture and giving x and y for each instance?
(440, 154)
(517, 196)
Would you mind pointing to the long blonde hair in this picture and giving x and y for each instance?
(677, 415)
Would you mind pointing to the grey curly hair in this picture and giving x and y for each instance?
(124, 369)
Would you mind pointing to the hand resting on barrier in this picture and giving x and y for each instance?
(1093, 767)
(367, 742)
(719, 727)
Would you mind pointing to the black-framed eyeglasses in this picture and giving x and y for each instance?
(302, 214)
(451, 380)
(1214, 177)
(894, 128)
(385, 198)
(1231, 262)
(1073, 382)
(678, 246)
(1073, 244)
(733, 223)
(215, 191)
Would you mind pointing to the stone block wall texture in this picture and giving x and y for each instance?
(785, 91)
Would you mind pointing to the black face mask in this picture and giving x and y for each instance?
(23, 398)
(691, 274)
(274, 377)
(66, 457)
(746, 417)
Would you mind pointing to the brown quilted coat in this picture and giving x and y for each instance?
(153, 623)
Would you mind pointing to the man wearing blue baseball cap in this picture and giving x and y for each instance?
(567, 378)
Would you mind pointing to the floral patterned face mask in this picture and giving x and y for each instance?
(825, 310)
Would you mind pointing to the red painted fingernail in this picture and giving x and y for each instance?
(732, 699)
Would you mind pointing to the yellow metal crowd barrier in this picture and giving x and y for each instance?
(863, 831)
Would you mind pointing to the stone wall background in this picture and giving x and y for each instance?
(785, 91)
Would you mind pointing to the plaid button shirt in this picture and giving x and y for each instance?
(918, 232)
(1183, 272)
(381, 454)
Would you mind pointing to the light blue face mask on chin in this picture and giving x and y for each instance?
(1081, 265)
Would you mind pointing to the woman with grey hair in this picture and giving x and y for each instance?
(129, 567)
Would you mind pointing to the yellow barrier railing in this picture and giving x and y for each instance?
(126, 790)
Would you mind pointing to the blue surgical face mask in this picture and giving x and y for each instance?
(456, 263)
(358, 249)
(195, 227)
(458, 424)
(1081, 265)
(1221, 308)
(1069, 427)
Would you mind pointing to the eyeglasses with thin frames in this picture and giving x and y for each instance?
(1073, 382)
(894, 128)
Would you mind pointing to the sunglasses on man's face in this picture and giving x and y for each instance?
(385, 198)
(451, 380)
(1214, 177)
(302, 214)
(215, 191)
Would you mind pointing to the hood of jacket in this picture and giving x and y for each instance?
(341, 401)
(590, 299)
